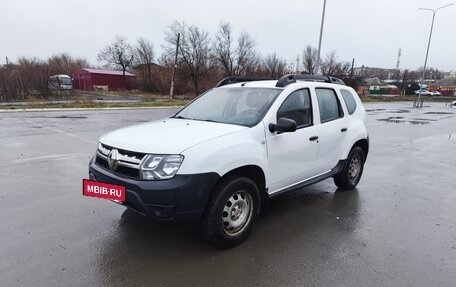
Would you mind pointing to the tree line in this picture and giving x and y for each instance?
(202, 60)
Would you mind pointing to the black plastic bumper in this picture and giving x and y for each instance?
(180, 199)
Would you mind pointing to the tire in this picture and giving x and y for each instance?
(230, 212)
(351, 174)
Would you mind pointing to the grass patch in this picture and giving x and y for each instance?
(92, 104)
(383, 99)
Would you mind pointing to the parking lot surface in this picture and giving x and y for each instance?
(398, 228)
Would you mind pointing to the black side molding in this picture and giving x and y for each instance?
(338, 168)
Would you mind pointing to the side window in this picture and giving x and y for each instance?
(349, 100)
(328, 104)
(297, 106)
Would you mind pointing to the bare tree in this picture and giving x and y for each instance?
(344, 69)
(65, 64)
(118, 54)
(223, 51)
(332, 67)
(330, 64)
(241, 59)
(194, 50)
(309, 59)
(247, 57)
(144, 55)
(275, 66)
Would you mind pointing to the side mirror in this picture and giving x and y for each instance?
(284, 125)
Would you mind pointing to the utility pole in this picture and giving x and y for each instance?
(317, 66)
(353, 66)
(429, 43)
(7, 62)
(171, 91)
(403, 82)
(398, 59)
(297, 64)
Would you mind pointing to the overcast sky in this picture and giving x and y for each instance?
(371, 31)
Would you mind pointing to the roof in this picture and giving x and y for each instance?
(280, 83)
(372, 81)
(450, 81)
(254, 84)
(107, 72)
(272, 84)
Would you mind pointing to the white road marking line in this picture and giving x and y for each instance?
(52, 156)
(62, 132)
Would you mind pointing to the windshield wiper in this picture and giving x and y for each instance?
(180, 117)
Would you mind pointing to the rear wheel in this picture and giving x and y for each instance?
(351, 174)
(230, 212)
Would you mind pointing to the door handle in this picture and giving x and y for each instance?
(314, 138)
(343, 130)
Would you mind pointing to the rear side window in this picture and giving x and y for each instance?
(349, 100)
(297, 106)
(328, 104)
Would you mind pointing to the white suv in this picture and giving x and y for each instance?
(219, 159)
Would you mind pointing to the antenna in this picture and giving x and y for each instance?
(398, 58)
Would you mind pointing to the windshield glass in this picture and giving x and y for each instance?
(65, 80)
(239, 106)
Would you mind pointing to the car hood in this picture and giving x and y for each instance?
(168, 136)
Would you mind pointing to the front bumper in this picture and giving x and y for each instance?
(180, 199)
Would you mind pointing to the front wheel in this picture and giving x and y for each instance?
(230, 212)
(350, 176)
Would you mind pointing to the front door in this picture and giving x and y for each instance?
(292, 155)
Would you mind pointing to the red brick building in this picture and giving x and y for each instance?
(87, 79)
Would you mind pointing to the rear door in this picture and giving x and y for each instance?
(332, 130)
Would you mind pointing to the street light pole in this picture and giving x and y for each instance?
(429, 43)
(317, 66)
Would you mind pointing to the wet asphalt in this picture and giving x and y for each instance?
(398, 228)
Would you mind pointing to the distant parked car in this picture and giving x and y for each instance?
(435, 93)
(60, 82)
(424, 92)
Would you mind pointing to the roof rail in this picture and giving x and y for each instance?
(232, 80)
(290, 79)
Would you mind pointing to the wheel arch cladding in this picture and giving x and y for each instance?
(364, 145)
(256, 174)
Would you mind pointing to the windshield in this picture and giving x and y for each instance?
(65, 80)
(239, 106)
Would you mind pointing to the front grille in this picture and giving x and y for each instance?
(128, 162)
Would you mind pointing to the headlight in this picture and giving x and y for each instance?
(160, 166)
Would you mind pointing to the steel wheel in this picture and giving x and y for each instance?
(237, 213)
(351, 174)
(354, 169)
(231, 211)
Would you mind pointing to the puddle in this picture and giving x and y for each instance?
(400, 111)
(60, 117)
(400, 120)
(430, 120)
(375, 110)
(438, 113)
(70, 117)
